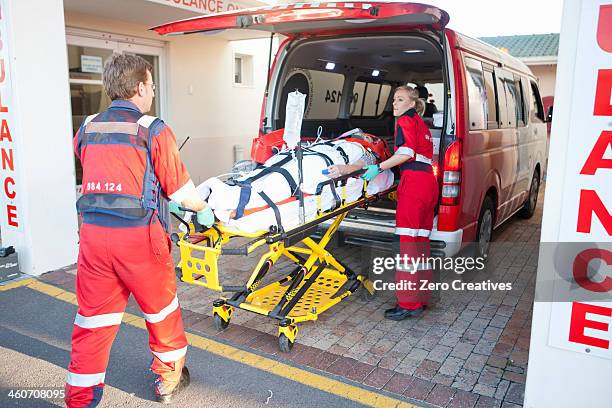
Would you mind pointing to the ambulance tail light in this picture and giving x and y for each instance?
(451, 178)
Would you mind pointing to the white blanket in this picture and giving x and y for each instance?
(224, 198)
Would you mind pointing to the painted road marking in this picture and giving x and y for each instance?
(318, 381)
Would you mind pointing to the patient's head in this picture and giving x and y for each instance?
(364, 136)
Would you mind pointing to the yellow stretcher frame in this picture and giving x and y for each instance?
(319, 282)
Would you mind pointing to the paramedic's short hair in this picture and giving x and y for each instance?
(412, 93)
(122, 73)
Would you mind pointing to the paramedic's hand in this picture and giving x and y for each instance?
(333, 172)
(206, 217)
(372, 170)
(174, 209)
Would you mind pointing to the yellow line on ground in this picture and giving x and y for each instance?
(314, 380)
(16, 284)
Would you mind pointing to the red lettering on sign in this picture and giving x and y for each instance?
(581, 264)
(11, 215)
(579, 322)
(10, 194)
(5, 133)
(3, 108)
(219, 5)
(604, 28)
(211, 5)
(603, 105)
(7, 159)
(589, 204)
(596, 157)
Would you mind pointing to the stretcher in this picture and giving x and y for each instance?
(318, 281)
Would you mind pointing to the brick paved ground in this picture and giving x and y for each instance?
(469, 350)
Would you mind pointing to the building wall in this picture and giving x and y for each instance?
(208, 107)
(202, 101)
(546, 75)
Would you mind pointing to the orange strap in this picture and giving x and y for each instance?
(250, 211)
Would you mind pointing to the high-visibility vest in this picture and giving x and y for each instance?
(118, 175)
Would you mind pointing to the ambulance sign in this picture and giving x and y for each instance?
(581, 315)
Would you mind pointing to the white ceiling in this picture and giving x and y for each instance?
(150, 14)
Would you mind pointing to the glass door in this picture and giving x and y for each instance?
(86, 57)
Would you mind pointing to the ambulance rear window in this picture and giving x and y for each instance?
(369, 99)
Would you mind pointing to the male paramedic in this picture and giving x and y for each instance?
(131, 165)
(417, 195)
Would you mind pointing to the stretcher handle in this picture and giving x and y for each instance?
(196, 225)
(235, 251)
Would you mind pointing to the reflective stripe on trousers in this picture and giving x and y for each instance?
(114, 263)
(417, 197)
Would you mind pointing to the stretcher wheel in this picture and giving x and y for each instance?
(284, 343)
(220, 323)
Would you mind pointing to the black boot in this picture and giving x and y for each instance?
(398, 313)
(183, 383)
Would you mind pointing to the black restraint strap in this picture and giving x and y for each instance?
(276, 168)
(245, 196)
(325, 157)
(339, 149)
(274, 208)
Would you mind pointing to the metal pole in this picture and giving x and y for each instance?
(301, 182)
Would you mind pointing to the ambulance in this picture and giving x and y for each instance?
(483, 106)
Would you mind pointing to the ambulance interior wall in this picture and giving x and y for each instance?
(202, 100)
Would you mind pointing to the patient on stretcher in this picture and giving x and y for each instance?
(248, 202)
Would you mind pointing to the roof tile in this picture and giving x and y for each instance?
(534, 45)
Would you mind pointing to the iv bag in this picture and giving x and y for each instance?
(293, 118)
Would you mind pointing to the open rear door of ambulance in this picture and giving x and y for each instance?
(307, 18)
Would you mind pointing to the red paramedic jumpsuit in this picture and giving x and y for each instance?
(417, 196)
(130, 163)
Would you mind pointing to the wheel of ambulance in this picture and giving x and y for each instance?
(284, 343)
(532, 200)
(220, 324)
(485, 228)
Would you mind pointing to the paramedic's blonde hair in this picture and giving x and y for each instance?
(413, 95)
(420, 106)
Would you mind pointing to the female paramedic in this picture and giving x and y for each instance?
(417, 195)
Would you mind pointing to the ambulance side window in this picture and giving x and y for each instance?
(502, 99)
(536, 108)
(492, 108)
(520, 102)
(477, 98)
(511, 99)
